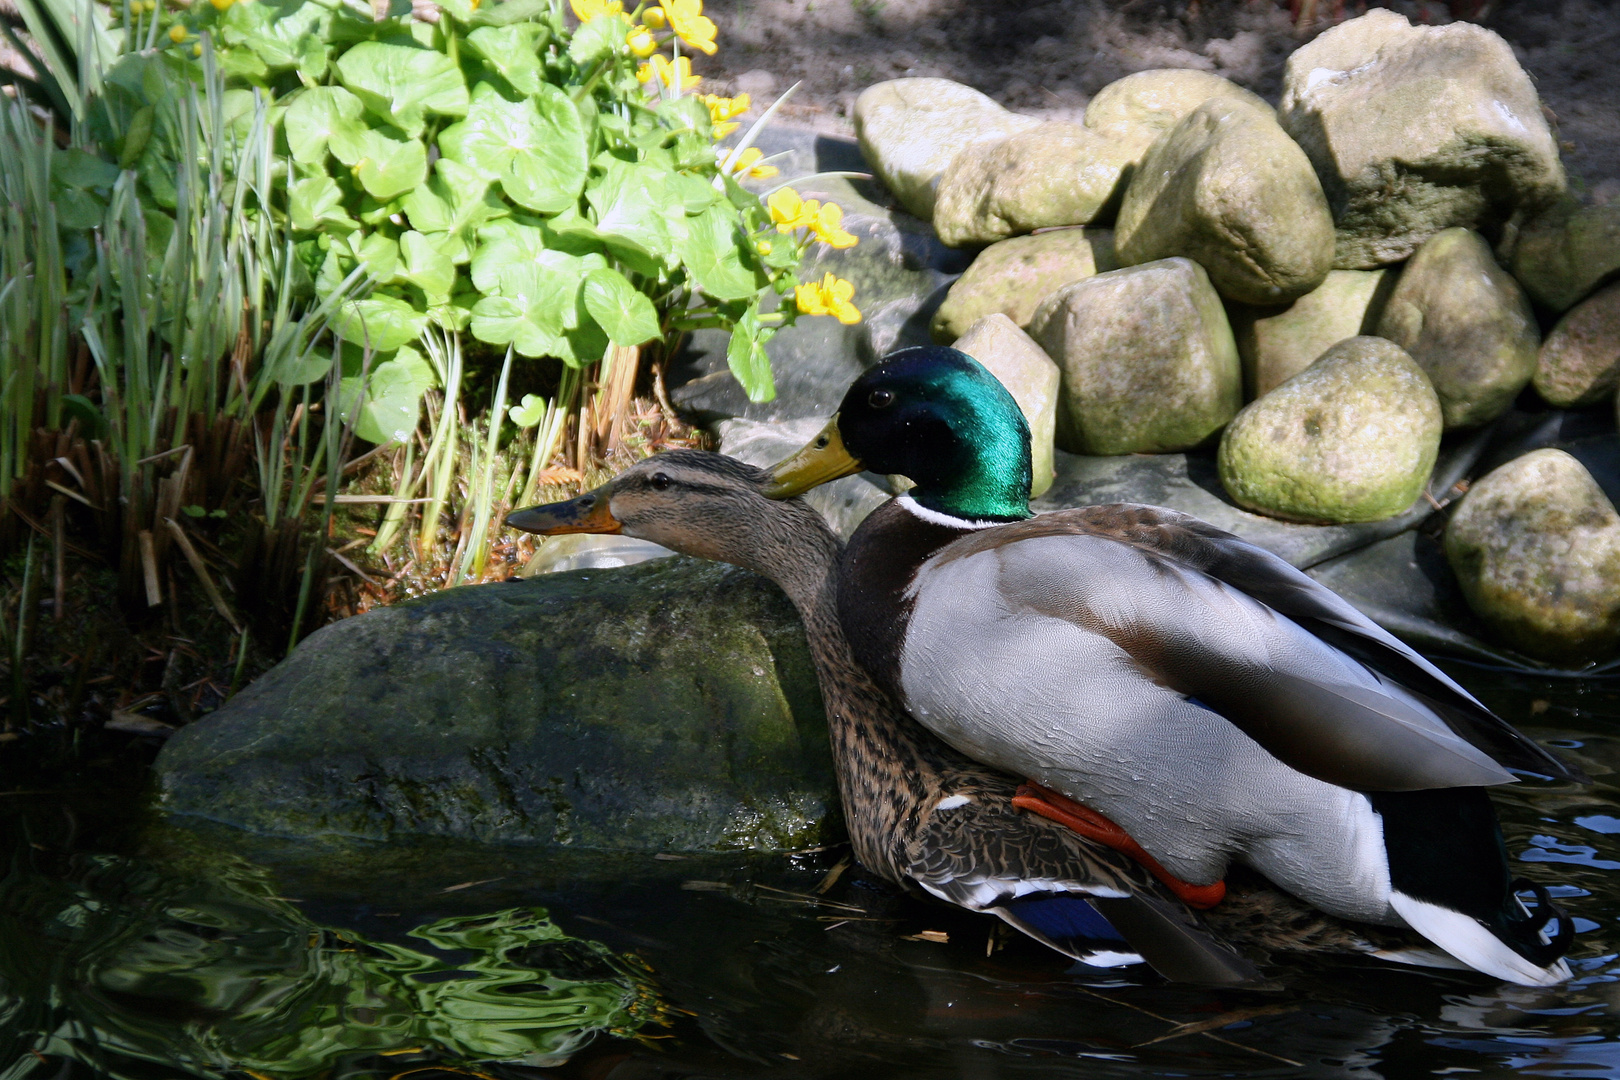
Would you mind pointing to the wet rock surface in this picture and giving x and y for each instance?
(1579, 363)
(1535, 546)
(1415, 129)
(1228, 188)
(1561, 254)
(1013, 277)
(665, 706)
(1353, 437)
(1467, 323)
(1147, 358)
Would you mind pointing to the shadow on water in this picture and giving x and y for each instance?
(141, 950)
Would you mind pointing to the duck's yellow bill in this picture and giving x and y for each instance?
(588, 513)
(823, 459)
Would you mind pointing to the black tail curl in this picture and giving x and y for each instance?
(1523, 926)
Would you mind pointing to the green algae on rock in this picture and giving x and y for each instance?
(1029, 375)
(1414, 129)
(1353, 437)
(1013, 277)
(1147, 358)
(1564, 252)
(1579, 363)
(665, 706)
(1535, 545)
(1467, 323)
(1137, 109)
(1277, 343)
(1228, 188)
(1050, 176)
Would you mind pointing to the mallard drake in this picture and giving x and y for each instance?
(1194, 690)
(918, 812)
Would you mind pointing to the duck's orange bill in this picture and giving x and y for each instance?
(1088, 823)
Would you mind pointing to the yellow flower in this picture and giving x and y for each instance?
(790, 212)
(221, 5)
(830, 296)
(686, 18)
(724, 108)
(586, 10)
(177, 34)
(763, 247)
(746, 165)
(677, 76)
(829, 227)
(196, 50)
(654, 18)
(640, 41)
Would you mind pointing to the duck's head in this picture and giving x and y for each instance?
(935, 416)
(696, 503)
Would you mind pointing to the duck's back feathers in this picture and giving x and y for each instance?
(1388, 721)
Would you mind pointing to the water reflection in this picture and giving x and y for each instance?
(112, 961)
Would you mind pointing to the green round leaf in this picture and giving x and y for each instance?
(400, 83)
(385, 166)
(317, 116)
(317, 202)
(389, 406)
(382, 322)
(628, 317)
(710, 251)
(534, 148)
(512, 52)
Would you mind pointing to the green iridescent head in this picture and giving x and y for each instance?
(937, 417)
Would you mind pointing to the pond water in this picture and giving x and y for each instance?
(134, 948)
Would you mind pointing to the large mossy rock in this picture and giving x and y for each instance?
(1014, 276)
(1536, 548)
(1579, 363)
(1136, 110)
(1467, 322)
(1561, 254)
(1052, 175)
(1147, 358)
(1417, 129)
(665, 706)
(1029, 375)
(1277, 343)
(1228, 188)
(1353, 437)
(911, 129)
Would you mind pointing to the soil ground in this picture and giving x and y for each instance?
(1048, 58)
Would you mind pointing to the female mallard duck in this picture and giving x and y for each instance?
(917, 811)
(1193, 690)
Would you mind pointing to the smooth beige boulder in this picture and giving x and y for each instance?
(1052, 175)
(1147, 358)
(1353, 437)
(1467, 322)
(1535, 545)
(1579, 363)
(1563, 253)
(1136, 110)
(1015, 275)
(1228, 188)
(1029, 375)
(1277, 343)
(911, 129)
(1415, 129)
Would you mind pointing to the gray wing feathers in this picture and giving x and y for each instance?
(1309, 704)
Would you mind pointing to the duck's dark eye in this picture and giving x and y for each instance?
(821, 442)
(880, 399)
(660, 482)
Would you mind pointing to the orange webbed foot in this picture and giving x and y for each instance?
(1088, 823)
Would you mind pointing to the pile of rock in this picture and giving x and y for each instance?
(1187, 248)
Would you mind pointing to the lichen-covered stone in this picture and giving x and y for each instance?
(1535, 545)
(911, 129)
(1029, 375)
(1013, 277)
(1052, 175)
(1147, 358)
(665, 706)
(1417, 129)
(1353, 437)
(1579, 363)
(1136, 110)
(1277, 343)
(1228, 188)
(1564, 252)
(1467, 322)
